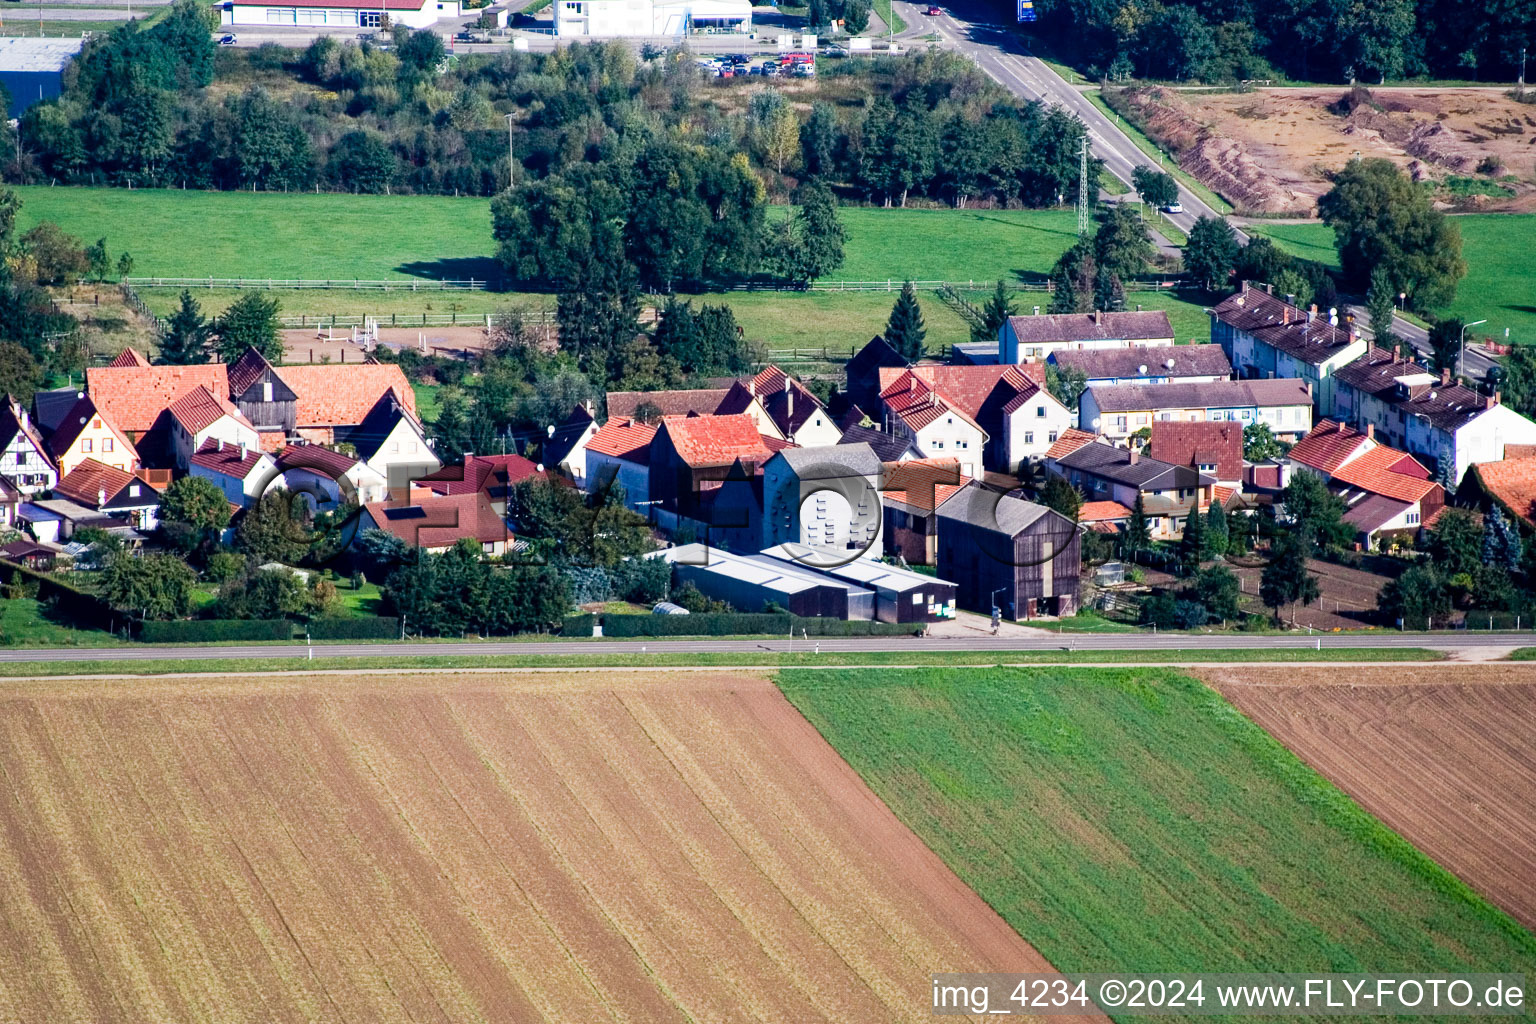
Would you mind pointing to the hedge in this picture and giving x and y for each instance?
(745, 623)
(577, 625)
(75, 606)
(190, 631)
(374, 627)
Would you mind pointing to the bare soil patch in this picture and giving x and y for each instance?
(1442, 754)
(547, 848)
(1271, 150)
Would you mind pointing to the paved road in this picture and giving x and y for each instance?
(1044, 641)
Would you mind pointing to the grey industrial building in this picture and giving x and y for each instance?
(901, 595)
(749, 582)
(32, 69)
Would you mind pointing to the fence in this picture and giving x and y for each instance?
(302, 284)
(541, 318)
(893, 284)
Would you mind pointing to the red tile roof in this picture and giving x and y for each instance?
(493, 475)
(967, 388)
(440, 522)
(623, 439)
(1102, 511)
(133, 397)
(715, 440)
(226, 459)
(342, 394)
(86, 481)
(1387, 472)
(703, 401)
(1328, 446)
(914, 401)
(1199, 444)
(922, 485)
(129, 357)
(1513, 483)
(1070, 441)
(317, 457)
(200, 408)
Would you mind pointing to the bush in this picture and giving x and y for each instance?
(747, 624)
(224, 566)
(378, 627)
(1190, 614)
(202, 631)
(579, 625)
(1159, 610)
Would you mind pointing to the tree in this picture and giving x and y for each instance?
(1501, 543)
(856, 16)
(818, 139)
(1445, 345)
(1455, 543)
(152, 587)
(1066, 384)
(822, 235)
(1381, 308)
(1416, 598)
(994, 314)
(1156, 188)
(97, 260)
(1192, 543)
(598, 315)
(1217, 588)
(1218, 535)
(1286, 579)
(1063, 291)
(124, 266)
(1058, 494)
(193, 512)
(1122, 246)
(20, 375)
(1108, 292)
(186, 334)
(1138, 535)
(249, 322)
(1383, 220)
(1260, 443)
(773, 129)
(1316, 513)
(905, 331)
(264, 594)
(1211, 252)
(271, 533)
(55, 257)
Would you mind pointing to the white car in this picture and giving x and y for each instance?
(1174, 207)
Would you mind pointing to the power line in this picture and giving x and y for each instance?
(1082, 187)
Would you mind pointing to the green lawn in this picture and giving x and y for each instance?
(24, 623)
(1131, 820)
(1498, 285)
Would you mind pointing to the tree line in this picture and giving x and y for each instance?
(1310, 40)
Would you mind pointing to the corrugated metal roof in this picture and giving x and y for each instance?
(32, 54)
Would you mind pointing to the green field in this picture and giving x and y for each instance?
(1498, 285)
(1131, 820)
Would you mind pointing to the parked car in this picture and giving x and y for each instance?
(1174, 207)
(933, 11)
(834, 51)
(227, 40)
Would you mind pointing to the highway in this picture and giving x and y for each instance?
(1002, 646)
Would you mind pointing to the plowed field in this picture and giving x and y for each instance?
(1443, 755)
(459, 849)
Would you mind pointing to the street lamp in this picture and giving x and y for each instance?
(511, 156)
(1461, 348)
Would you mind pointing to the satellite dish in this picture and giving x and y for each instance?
(1169, 363)
(1142, 369)
(1095, 424)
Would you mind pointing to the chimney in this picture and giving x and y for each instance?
(1098, 316)
(1397, 353)
(1269, 289)
(590, 411)
(1285, 315)
(242, 451)
(789, 400)
(221, 444)
(1445, 376)
(1138, 307)
(1244, 289)
(1497, 398)
(1370, 431)
(1311, 315)
(1308, 385)
(1135, 456)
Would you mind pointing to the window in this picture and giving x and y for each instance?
(1208, 467)
(962, 444)
(95, 424)
(939, 445)
(1413, 519)
(367, 19)
(85, 444)
(411, 447)
(21, 458)
(1051, 437)
(394, 446)
(1039, 410)
(917, 598)
(133, 490)
(1029, 437)
(266, 391)
(106, 444)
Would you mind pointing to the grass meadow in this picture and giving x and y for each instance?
(1132, 820)
(1497, 248)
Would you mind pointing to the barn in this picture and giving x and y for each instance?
(32, 69)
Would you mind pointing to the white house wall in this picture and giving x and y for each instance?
(1029, 434)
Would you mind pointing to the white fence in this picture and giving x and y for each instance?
(531, 318)
(298, 284)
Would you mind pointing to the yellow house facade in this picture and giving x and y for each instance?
(85, 433)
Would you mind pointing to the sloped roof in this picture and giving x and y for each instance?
(129, 357)
(773, 387)
(1388, 472)
(133, 397)
(1102, 511)
(967, 388)
(922, 485)
(342, 394)
(1376, 371)
(1024, 397)
(1282, 326)
(832, 461)
(985, 508)
(50, 407)
(1374, 512)
(74, 423)
(914, 402)
(227, 459)
(1218, 443)
(86, 481)
(1447, 407)
(567, 434)
(887, 447)
(247, 370)
(1128, 326)
(715, 440)
(316, 457)
(14, 421)
(1139, 471)
(200, 408)
(1188, 361)
(442, 521)
(1070, 441)
(369, 435)
(623, 438)
(1513, 483)
(1219, 394)
(1328, 446)
(877, 352)
(703, 401)
(492, 475)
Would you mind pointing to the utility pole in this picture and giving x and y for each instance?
(511, 157)
(1082, 187)
(1520, 83)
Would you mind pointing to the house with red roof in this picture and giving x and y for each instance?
(1212, 447)
(200, 416)
(913, 409)
(85, 432)
(1509, 483)
(619, 455)
(1385, 491)
(439, 522)
(943, 407)
(910, 494)
(690, 455)
(329, 478)
(134, 397)
(797, 415)
(111, 491)
(491, 475)
(242, 471)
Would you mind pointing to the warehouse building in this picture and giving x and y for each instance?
(377, 14)
(750, 582)
(33, 69)
(643, 18)
(901, 595)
